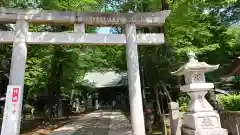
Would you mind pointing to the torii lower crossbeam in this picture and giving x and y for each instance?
(78, 38)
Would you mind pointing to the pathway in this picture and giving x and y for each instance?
(101, 122)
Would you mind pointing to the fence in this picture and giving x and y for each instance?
(230, 120)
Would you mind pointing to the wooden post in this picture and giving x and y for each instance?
(175, 118)
(135, 95)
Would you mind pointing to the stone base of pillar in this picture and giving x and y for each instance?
(213, 131)
(202, 123)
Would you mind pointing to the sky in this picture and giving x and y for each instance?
(104, 30)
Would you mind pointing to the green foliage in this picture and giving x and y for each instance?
(72, 5)
(231, 102)
(183, 102)
(28, 108)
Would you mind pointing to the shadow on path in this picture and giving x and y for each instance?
(101, 122)
(94, 127)
(126, 111)
(119, 124)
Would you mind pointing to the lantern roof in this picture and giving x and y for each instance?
(194, 65)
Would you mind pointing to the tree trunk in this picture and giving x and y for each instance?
(60, 112)
(179, 80)
(158, 111)
(211, 97)
(48, 110)
(51, 98)
(165, 5)
(142, 78)
(85, 101)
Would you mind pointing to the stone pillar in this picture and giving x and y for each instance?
(77, 105)
(79, 28)
(95, 100)
(72, 96)
(175, 118)
(135, 95)
(201, 118)
(96, 104)
(89, 101)
(16, 78)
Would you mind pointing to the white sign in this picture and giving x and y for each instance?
(12, 111)
(208, 122)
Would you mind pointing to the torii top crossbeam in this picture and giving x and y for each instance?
(10, 15)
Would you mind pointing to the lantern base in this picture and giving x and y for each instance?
(201, 120)
(202, 123)
(213, 131)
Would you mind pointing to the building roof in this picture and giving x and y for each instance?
(222, 91)
(234, 68)
(106, 79)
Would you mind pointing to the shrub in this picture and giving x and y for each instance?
(28, 108)
(231, 102)
(183, 102)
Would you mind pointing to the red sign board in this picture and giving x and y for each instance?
(15, 94)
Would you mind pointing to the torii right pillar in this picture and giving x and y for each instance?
(201, 118)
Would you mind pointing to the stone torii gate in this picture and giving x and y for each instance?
(21, 37)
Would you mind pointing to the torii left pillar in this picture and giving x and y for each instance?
(14, 96)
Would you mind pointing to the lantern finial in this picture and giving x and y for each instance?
(192, 57)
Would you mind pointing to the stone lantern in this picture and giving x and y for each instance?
(200, 118)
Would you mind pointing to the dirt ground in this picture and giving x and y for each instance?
(39, 126)
(43, 127)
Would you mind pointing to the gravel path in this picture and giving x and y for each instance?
(101, 122)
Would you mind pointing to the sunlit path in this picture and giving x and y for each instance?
(102, 122)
